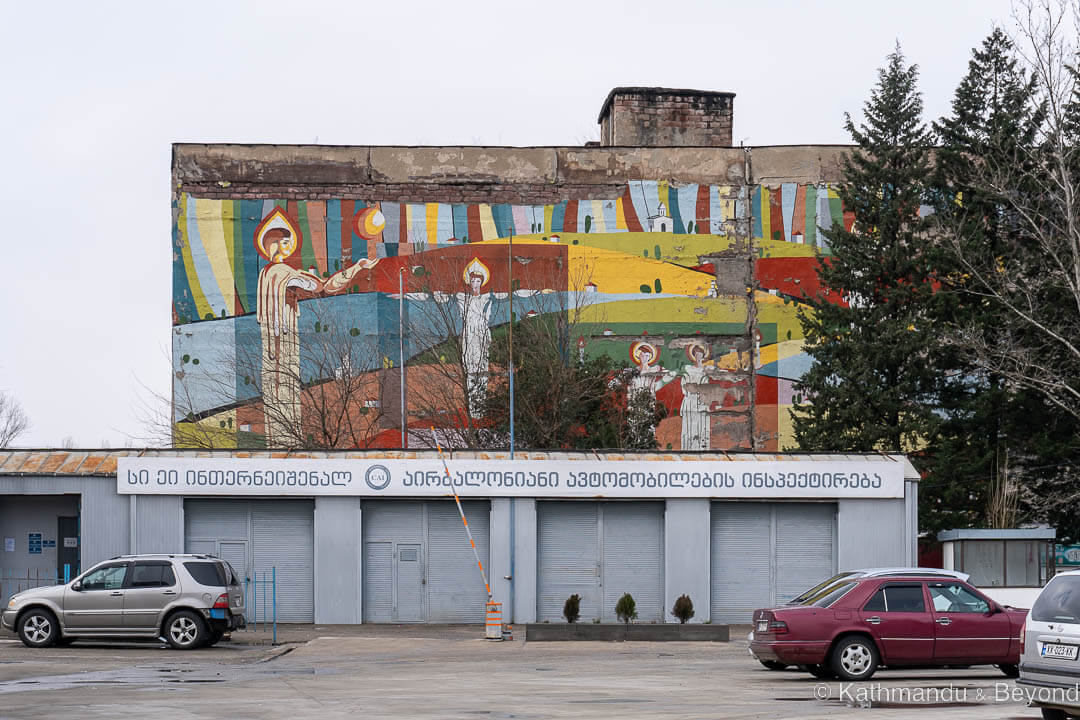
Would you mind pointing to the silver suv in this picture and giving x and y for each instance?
(189, 600)
(1050, 656)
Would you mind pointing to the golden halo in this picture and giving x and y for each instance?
(279, 245)
(637, 347)
(476, 267)
(690, 351)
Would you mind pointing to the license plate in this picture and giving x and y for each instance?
(762, 625)
(1057, 650)
(217, 613)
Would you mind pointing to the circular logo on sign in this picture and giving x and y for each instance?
(377, 477)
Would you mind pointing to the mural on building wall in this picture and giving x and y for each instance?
(659, 275)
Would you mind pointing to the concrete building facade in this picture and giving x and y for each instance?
(375, 537)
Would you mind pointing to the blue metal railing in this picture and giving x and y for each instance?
(260, 600)
(13, 581)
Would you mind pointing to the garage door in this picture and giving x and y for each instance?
(600, 551)
(764, 554)
(260, 535)
(418, 565)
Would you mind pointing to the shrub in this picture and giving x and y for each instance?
(571, 609)
(626, 608)
(683, 609)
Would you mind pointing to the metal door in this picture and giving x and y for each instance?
(805, 547)
(386, 524)
(270, 534)
(378, 574)
(99, 603)
(568, 559)
(150, 587)
(283, 537)
(67, 546)
(409, 583)
(633, 558)
(455, 588)
(741, 563)
(764, 554)
(235, 553)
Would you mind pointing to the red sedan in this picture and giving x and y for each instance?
(911, 621)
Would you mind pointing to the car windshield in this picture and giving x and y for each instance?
(816, 591)
(1059, 601)
(834, 594)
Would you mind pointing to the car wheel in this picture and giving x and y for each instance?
(855, 658)
(1010, 671)
(38, 628)
(1054, 714)
(773, 664)
(185, 630)
(821, 672)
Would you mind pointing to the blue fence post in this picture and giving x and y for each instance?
(273, 589)
(67, 573)
(255, 599)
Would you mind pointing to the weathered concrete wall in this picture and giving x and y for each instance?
(651, 117)
(672, 248)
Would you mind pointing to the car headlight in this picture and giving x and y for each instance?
(13, 601)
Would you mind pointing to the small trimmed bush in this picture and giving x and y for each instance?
(626, 608)
(571, 609)
(683, 609)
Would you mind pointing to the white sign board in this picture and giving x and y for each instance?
(254, 477)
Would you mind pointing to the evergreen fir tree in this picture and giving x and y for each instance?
(994, 122)
(871, 386)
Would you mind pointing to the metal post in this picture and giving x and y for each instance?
(510, 280)
(67, 573)
(449, 479)
(401, 349)
(273, 589)
(255, 599)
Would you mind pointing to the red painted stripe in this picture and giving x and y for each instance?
(702, 217)
(776, 214)
(632, 222)
(476, 233)
(569, 223)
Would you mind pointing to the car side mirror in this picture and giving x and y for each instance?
(994, 610)
(76, 586)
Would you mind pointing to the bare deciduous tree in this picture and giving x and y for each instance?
(1034, 279)
(13, 420)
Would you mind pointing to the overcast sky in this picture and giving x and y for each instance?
(95, 93)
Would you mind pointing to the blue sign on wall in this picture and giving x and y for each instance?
(34, 543)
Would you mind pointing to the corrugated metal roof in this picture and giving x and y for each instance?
(103, 462)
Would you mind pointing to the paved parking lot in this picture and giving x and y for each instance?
(435, 672)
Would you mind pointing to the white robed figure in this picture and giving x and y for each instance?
(694, 410)
(476, 309)
(650, 378)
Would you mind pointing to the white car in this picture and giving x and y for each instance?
(1050, 652)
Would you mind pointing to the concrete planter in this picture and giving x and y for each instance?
(617, 632)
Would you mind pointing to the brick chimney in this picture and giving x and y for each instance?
(658, 117)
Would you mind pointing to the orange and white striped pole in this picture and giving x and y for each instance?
(461, 512)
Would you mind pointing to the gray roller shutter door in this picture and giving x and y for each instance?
(418, 565)
(568, 558)
(456, 592)
(272, 534)
(764, 554)
(283, 538)
(805, 547)
(741, 560)
(633, 558)
(600, 551)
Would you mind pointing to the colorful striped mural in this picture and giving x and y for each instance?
(251, 274)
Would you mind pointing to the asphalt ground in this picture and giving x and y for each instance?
(421, 671)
